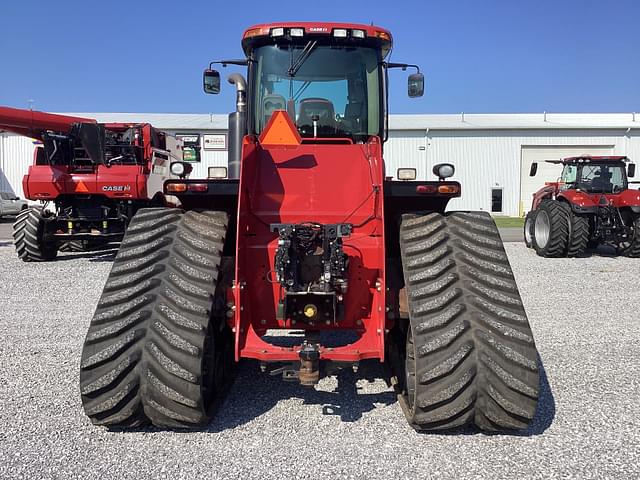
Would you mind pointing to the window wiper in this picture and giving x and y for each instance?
(293, 69)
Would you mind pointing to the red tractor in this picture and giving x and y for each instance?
(91, 178)
(310, 236)
(591, 204)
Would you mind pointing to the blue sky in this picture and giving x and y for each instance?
(478, 56)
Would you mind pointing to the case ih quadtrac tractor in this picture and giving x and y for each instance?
(310, 235)
(591, 204)
(91, 177)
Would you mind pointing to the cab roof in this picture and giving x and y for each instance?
(381, 35)
(590, 158)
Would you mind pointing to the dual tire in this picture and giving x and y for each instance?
(554, 230)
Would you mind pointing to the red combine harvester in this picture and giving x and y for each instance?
(311, 237)
(95, 177)
(590, 205)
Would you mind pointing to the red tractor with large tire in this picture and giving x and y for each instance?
(590, 205)
(310, 235)
(90, 177)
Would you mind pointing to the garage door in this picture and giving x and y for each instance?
(548, 172)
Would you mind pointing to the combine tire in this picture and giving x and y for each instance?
(153, 352)
(470, 354)
(551, 229)
(28, 230)
(632, 249)
(578, 235)
(529, 221)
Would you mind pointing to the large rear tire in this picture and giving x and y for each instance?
(28, 233)
(632, 248)
(152, 353)
(551, 229)
(578, 235)
(470, 354)
(529, 221)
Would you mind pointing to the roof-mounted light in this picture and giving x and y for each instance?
(296, 32)
(253, 32)
(383, 35)
(277, 32)
(358, 33)
(340, 32)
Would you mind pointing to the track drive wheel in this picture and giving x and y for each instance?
(551, 229)
(28, 232)
(578, 235)
(154, 348)
(529, 221)
(470, 354)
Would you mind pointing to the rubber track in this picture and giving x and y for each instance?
(578, 234)
(142, 359)
(558, 213)
(470, 345)
(27, 234)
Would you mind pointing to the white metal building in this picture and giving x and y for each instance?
(492, 153)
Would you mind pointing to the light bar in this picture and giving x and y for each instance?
(277, 32)
(358, 33)
(296, 32)
(340, 32)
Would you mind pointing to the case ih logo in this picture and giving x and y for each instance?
(318, 30)
(116, 188)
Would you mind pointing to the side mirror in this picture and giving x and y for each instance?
(415, 86)
(534, 169)
(211, 81)
(631, 170)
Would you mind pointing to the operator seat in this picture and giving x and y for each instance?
(272, 102)
(323, 109)
(602, 183)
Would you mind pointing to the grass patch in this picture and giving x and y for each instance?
(509, 222)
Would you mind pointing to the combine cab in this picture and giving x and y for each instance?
(91, 178)
(590, 205)
(311, 236)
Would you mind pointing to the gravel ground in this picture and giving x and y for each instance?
(586, 328)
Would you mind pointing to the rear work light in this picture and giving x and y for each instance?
(358, 33)
(296, 32)
(277, 32)
(340, 32)
(176, 187)
(407, 174)
(217, 172)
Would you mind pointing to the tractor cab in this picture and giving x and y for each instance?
(329, 78)
(594, 175)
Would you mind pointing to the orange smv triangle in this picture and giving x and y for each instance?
(280, 130)
(80, 187)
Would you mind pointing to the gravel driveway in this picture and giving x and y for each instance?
(587, 329)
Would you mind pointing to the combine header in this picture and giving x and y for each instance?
(92, 176)
(311, 235)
